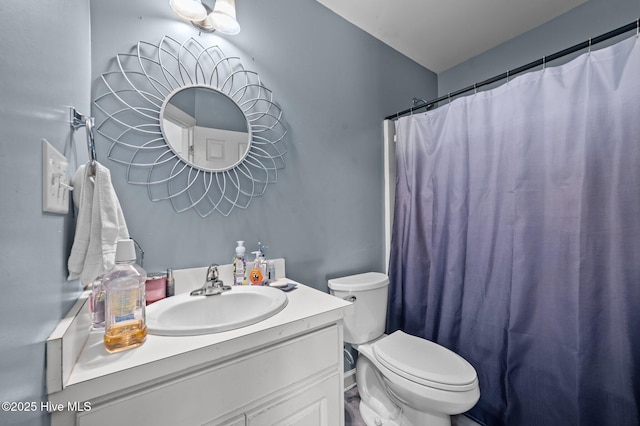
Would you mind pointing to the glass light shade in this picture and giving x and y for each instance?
(191, 10)
(223, 17)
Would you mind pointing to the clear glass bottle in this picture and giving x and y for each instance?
(124, 286)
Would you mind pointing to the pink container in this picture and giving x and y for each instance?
(156, 287)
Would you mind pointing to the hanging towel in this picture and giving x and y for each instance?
(100, 224)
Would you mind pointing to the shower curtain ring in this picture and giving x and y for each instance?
(589, 46)
(544, 63)
(638, 28)
(507, 76)
(475, 88)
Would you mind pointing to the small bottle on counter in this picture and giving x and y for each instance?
(264, 265)
(171, 283)
(259, 271)
(239, 265)
(124, 286)
(272, 271)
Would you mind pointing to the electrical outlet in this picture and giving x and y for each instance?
(55, 182)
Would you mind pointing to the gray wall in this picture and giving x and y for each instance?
(334, 83)
(591, 19)
(45, 67)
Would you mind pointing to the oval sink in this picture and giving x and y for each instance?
(186, 315)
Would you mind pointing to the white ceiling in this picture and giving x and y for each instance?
(442, 34)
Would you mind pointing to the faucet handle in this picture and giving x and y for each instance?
(212, 273)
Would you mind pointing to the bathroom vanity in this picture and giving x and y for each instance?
(287, 369)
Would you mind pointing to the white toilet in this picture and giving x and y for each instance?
(402, 380)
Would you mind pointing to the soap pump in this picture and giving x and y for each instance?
(258, 273)
(239, 265)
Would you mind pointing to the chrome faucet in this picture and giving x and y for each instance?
(213, 284)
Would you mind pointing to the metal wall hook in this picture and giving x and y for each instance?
(79, 120)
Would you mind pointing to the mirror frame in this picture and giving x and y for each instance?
(132, 105)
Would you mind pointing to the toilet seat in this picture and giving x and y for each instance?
(425, 362)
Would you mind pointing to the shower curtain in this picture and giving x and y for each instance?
(516, 240)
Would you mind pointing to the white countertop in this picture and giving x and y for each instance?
(97, 372)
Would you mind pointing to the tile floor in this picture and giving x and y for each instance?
(352, 414)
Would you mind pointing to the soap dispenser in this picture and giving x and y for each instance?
(239, 265)
(258, 273)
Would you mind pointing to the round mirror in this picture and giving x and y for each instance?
(205, 128)
(192, 125)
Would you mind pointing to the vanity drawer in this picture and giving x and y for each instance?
(226, 390)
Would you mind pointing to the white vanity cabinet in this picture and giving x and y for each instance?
(297, 380)
(286, 370)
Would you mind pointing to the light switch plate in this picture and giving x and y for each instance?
(55, 182)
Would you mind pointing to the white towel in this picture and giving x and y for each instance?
(99, 226)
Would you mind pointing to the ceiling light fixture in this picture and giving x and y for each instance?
(191, 10)
(222, 18)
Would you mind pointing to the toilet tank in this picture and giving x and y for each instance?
(368, 292)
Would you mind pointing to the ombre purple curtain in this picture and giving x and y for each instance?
(516, 240)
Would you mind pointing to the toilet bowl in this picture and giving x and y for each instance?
(402, 379)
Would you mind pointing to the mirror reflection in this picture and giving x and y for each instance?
(205, 128)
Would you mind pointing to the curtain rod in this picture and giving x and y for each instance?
(587, 44)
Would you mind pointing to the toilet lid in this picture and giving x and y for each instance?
(425, 362)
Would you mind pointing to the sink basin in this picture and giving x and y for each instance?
(186, 315)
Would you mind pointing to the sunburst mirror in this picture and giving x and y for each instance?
(192, 125)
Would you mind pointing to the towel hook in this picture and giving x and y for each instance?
(79, 120)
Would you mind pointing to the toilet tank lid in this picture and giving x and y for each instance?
(359, 282)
